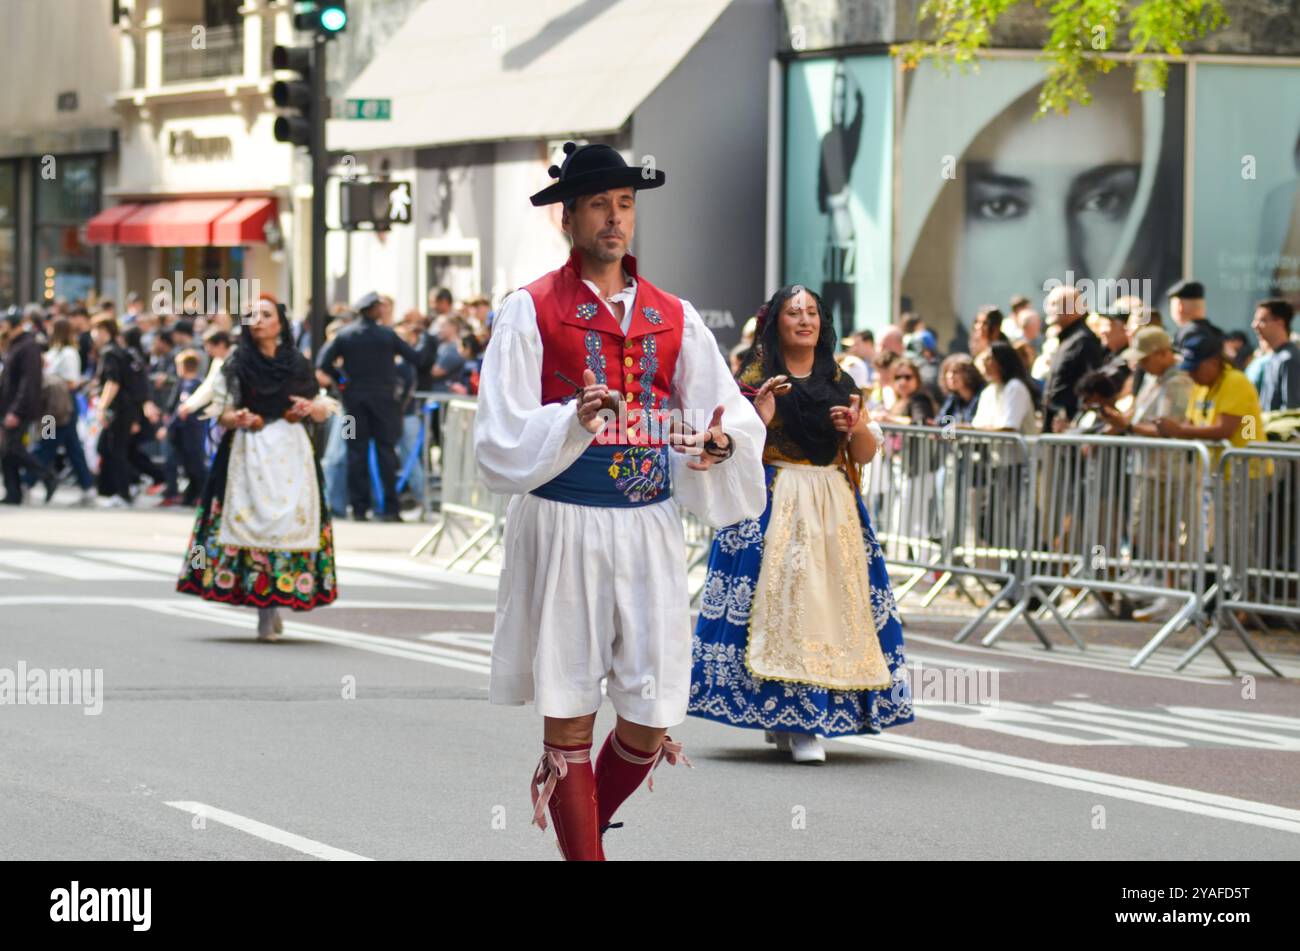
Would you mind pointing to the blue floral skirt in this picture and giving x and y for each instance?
(723, 688)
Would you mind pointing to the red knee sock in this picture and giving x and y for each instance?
(620, 769)
(565, 785)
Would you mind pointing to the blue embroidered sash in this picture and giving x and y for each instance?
(612, 477)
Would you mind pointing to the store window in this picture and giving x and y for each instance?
(8, 233)
(65, 265)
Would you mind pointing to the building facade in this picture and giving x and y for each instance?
(202, 190)
(937, 192)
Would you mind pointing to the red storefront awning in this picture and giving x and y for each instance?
(244, 223)
(185, 222)
(102, 229)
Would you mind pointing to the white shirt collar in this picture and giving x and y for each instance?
(627, 296)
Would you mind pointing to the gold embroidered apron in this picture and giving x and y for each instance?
(812, 621)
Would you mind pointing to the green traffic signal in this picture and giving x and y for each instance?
(333, 17)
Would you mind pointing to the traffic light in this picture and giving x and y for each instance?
(294, 94)
(327, 17)
(333, 17)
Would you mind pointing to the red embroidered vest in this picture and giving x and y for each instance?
(579, 333)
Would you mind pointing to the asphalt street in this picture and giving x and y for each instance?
(366, 733)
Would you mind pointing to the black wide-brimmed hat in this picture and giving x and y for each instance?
(591, 169)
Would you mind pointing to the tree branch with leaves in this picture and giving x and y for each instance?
(1082, 37)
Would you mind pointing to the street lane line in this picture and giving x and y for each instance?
(270, 833)
(1019, 720)
(374, 643)
(1177, 798)
(389, 564)
(1048, 658)
(142, 560)
(1067, 777)
(69, 566)
(170, 565)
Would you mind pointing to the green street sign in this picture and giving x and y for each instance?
(368, 109)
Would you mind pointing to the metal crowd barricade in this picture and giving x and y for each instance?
(699, 541)
(1116, 515)
(467, 507)
(953, 501)
(1256, 536)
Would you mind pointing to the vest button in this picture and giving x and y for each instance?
(629, 379)
(627, 361)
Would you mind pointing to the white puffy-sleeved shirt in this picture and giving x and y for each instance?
(521, 444)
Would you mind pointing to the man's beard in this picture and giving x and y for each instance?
(597, 250)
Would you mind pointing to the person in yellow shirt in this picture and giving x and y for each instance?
(1223, 405)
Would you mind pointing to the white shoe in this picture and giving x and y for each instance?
(1094, 610)
(806, 748)
(114, 502)
(778, 739)
(88, 497)
(1161, 609)
(279, 621)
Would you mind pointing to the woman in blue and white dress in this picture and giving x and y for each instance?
(798, 633)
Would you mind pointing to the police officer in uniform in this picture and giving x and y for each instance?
(369, 389)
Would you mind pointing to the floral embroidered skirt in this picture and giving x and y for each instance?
(231, 574)
(724, 688)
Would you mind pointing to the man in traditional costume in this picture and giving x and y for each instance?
(604, 404)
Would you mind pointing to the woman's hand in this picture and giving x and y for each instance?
(765, 399)
(242, 419)
(847, 419)
(299, 409)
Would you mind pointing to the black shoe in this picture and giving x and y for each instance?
(391, 517)
(360, 517)
(51, 484)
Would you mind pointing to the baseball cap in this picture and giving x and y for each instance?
(369, 300)
(1147, 341)
(1198, 348)
(1188, 290)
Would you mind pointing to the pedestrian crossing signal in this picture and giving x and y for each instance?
(374, 205)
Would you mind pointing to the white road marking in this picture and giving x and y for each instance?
(168, 565)
(1177, 798)
(469, 640)
(69, 566)
(143, 560)
(374, 643)
(1020, 720)
(270, 833)
(1028, 652)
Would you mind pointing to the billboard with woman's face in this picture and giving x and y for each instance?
(838, 185)
(996, 202)
(1246, 206)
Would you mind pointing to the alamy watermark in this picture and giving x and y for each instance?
(56, 686)
(210, 296)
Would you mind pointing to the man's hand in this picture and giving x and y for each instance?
(845, 419)
(593, 398)
(152, 412)
(692, 444)
(183, 412)
(11, 420)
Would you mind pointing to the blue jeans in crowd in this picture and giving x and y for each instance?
(334, 466)
(65, 438)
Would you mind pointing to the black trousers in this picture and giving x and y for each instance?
(14, 458)
(114, 469)
(373, 414)
(185, 450)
